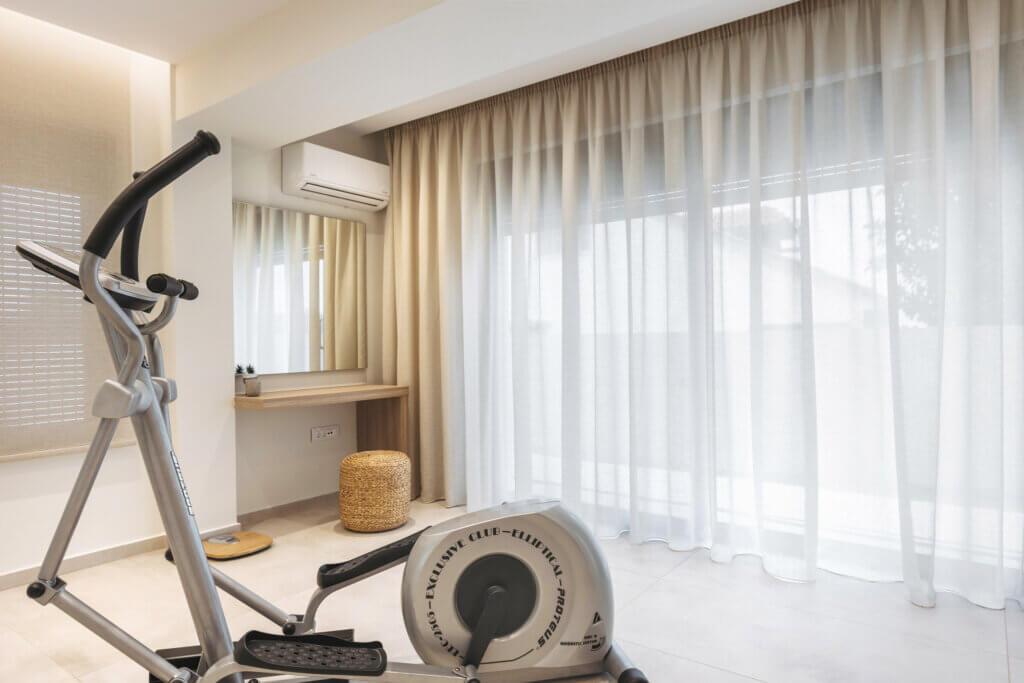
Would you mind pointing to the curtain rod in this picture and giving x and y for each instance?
(683, 44)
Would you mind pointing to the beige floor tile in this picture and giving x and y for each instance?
(720, 628)
(627, 586)
(16, 607)
(954, 620)
(124, 671)
(647, 559)
(276, 526)
(661, 666)
(1016, 670)
(1014, 620)
(21, 661)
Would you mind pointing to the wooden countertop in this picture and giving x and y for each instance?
(320, 396)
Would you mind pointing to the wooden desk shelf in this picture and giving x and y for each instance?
(320, 396)
(382, 410)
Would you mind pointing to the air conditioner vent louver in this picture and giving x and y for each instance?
(315, 172)
(347, 195)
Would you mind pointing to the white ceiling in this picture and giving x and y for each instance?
(165, 29)
(452, 53)
(397, 66)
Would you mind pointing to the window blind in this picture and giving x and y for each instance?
(42, 360)
(72, 108)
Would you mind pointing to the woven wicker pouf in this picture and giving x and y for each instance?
(374, 490)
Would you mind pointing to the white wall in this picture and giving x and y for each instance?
(278, 464)
(32, 498)
(276, 461)
(203, 417)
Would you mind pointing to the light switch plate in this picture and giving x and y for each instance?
(324, 432)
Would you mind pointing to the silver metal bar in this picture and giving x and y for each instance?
(164, 473)
(308, 622)
(162, 319)
(114, 343)
(111, 313)
(76, 501)
(247, 597)
(156, 356)
(182, 531)
(402, 672)
(154, 351)
(113, 634)
(156, 362)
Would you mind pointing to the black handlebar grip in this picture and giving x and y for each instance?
(130, 240)
(191, 291)
(159, 283)
(134, 197)
(130, 244)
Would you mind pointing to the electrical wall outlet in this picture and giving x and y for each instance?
(324, 432)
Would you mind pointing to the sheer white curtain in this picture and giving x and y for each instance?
(759, 290)
(273, 289)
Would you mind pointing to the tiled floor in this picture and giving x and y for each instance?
(680, 617)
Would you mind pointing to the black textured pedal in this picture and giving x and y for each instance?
(310, 654)
(189, 657)
(333, 574)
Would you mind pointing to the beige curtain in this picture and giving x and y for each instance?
(759, 290)
(344, 281)
(422, 316)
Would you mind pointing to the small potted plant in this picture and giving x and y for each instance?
(252, 381)
(239, 380)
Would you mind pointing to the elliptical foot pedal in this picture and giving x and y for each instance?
(310, 654)
(190, 657)
(333, 574)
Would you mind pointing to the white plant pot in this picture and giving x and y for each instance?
(252, 385)
(239, 384)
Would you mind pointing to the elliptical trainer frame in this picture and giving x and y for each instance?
(142, 392)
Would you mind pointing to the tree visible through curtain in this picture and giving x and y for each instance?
(759, 290)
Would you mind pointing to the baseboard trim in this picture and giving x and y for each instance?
(259, 515)
(21, 577)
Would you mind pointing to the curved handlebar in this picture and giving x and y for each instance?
(134, 197)
(130, 240)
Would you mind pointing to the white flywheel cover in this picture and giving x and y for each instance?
(570, 624)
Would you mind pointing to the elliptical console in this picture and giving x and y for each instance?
(62, 264)
(556, 617)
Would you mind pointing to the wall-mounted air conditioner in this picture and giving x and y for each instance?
(316, 172)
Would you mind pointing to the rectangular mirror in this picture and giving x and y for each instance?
(300, 290)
